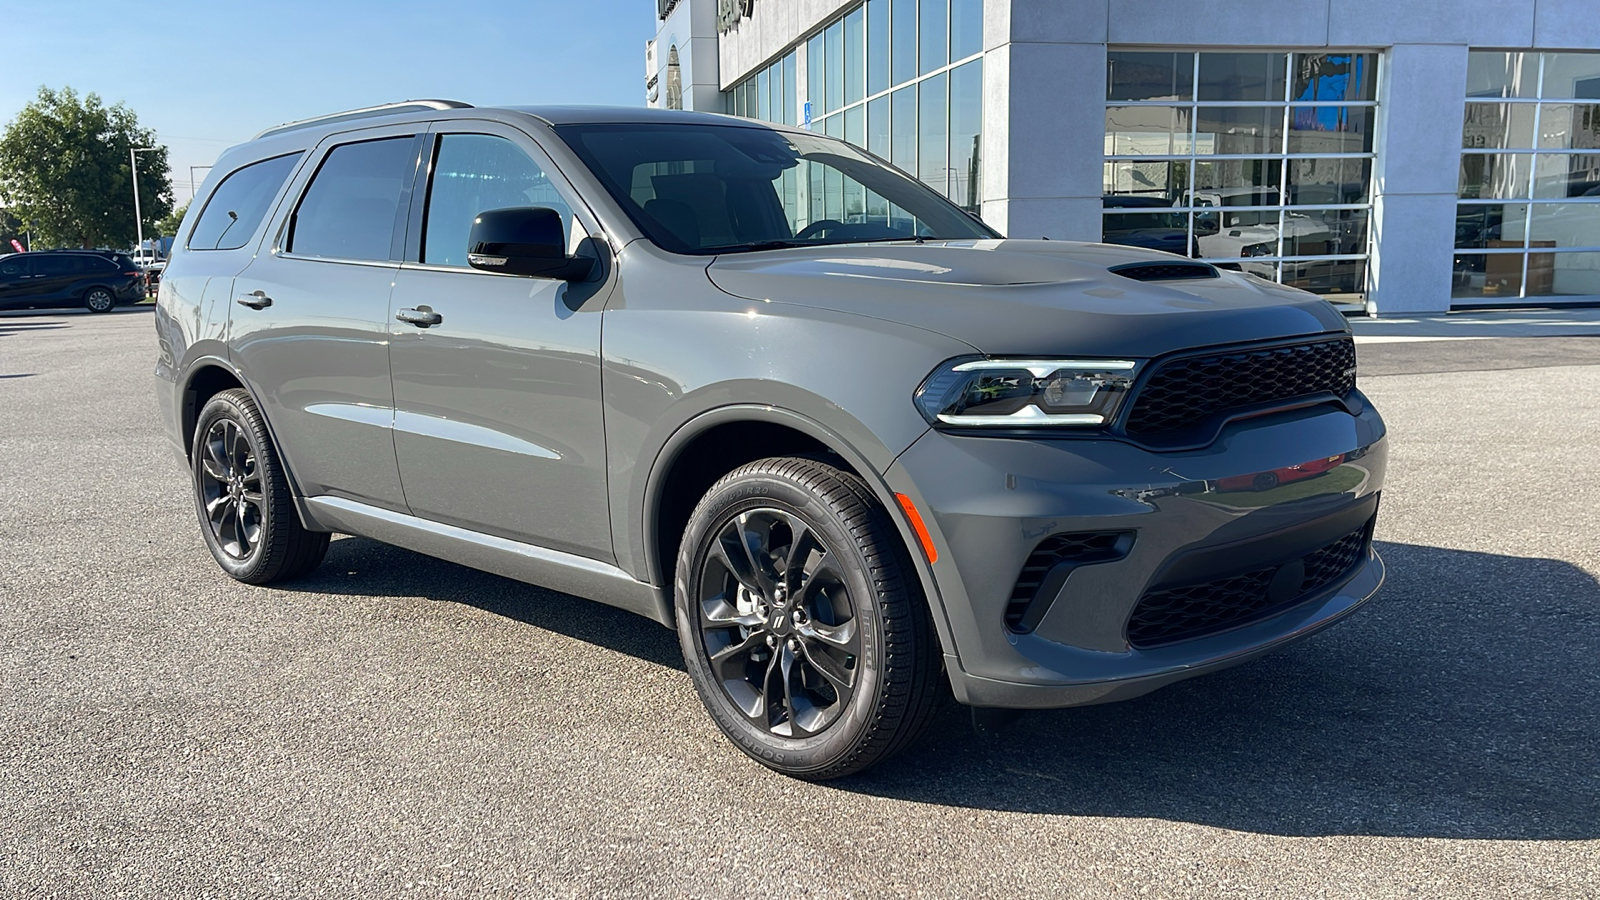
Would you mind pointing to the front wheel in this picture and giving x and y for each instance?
(243, 498)
(802, 622)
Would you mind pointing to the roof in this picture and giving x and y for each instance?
(608, 115)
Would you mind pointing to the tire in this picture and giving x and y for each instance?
(817, 663)
(99, 300)
(242, 496)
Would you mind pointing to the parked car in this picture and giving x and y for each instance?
(852, 464)
(95, 280)
(1151, 224)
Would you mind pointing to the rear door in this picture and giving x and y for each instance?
(497, 405)
(309, 325)
(54, 275)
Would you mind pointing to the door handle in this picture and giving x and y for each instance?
(422, 316)
(257, 300)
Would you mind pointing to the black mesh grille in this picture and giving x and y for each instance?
(1184, 392)
(1089, 546)
(1164, 271)
(1181, 613)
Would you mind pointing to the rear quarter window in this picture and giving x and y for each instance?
(236, 208)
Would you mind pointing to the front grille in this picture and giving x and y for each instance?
(1185, 392)
(1164, 271)
(1181, 613)
(1081, 548)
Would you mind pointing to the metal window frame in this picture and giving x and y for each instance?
(1538, 101)
(1287, 103)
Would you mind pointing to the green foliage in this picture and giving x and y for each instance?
(11, 229)
(64, 171)
(168, 227)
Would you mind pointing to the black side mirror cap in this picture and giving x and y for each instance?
(528, 240)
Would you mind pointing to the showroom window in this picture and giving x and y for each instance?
(768, 94)
(902, 79)
(1528, 222)
(1257, 161)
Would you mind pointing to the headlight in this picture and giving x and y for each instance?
(1025, 393)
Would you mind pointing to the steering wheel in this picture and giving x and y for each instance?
(816, 228)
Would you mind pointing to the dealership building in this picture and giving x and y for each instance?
(1398, 156)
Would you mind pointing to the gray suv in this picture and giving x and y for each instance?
(853, 446)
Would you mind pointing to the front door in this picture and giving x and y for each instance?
(16, 274)
(309, 323)
(498, 422)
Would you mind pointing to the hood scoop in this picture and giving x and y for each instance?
(1164, 271)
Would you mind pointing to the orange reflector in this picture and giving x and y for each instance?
(918, 527)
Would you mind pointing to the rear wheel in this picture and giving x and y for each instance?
(99, 300)
(802, 621)
(243, 498)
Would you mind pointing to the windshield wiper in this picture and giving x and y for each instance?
(759, 245)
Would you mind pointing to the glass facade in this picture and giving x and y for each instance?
(903, 79)
(1528, 221)
(1260, 161)
(768, 95)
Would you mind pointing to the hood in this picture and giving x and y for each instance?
(1007, 297)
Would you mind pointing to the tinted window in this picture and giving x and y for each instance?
(474, 173)
(350, 209)
(239, 204)
(54, 265)
(95, 264)
(13, 268)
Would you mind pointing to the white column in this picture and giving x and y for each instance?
(1044, 74)
(1416, 177)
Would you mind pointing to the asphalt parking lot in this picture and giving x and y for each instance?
(398, 725)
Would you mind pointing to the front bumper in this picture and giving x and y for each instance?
(1193, 516)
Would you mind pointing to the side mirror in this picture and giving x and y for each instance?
(529, 240)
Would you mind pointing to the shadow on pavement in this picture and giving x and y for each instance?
(386, 571)
(1463, 702)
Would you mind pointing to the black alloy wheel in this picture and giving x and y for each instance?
(778, 623)
(243, 498)
(230, 489)
(99, 300)
(802, 620)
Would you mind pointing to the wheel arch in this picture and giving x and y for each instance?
(206, 377)
(680, 476)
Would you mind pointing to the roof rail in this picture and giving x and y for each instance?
(386, 109)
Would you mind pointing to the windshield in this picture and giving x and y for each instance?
(730, 188)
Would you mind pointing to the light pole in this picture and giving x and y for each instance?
(138, 217)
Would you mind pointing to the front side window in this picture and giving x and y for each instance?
(718, 189)
(239, 203)
(474, 173)
(13, 268)
(351, 208)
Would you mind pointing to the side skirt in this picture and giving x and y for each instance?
(553, 569)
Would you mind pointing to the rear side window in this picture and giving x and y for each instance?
(239, 203)
(55, 265)
(351, 208)
(96, 264)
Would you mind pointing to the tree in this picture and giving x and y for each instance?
(11, 229)
(64, 171)
(168, 227)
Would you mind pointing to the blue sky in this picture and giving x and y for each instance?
(206, 75)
